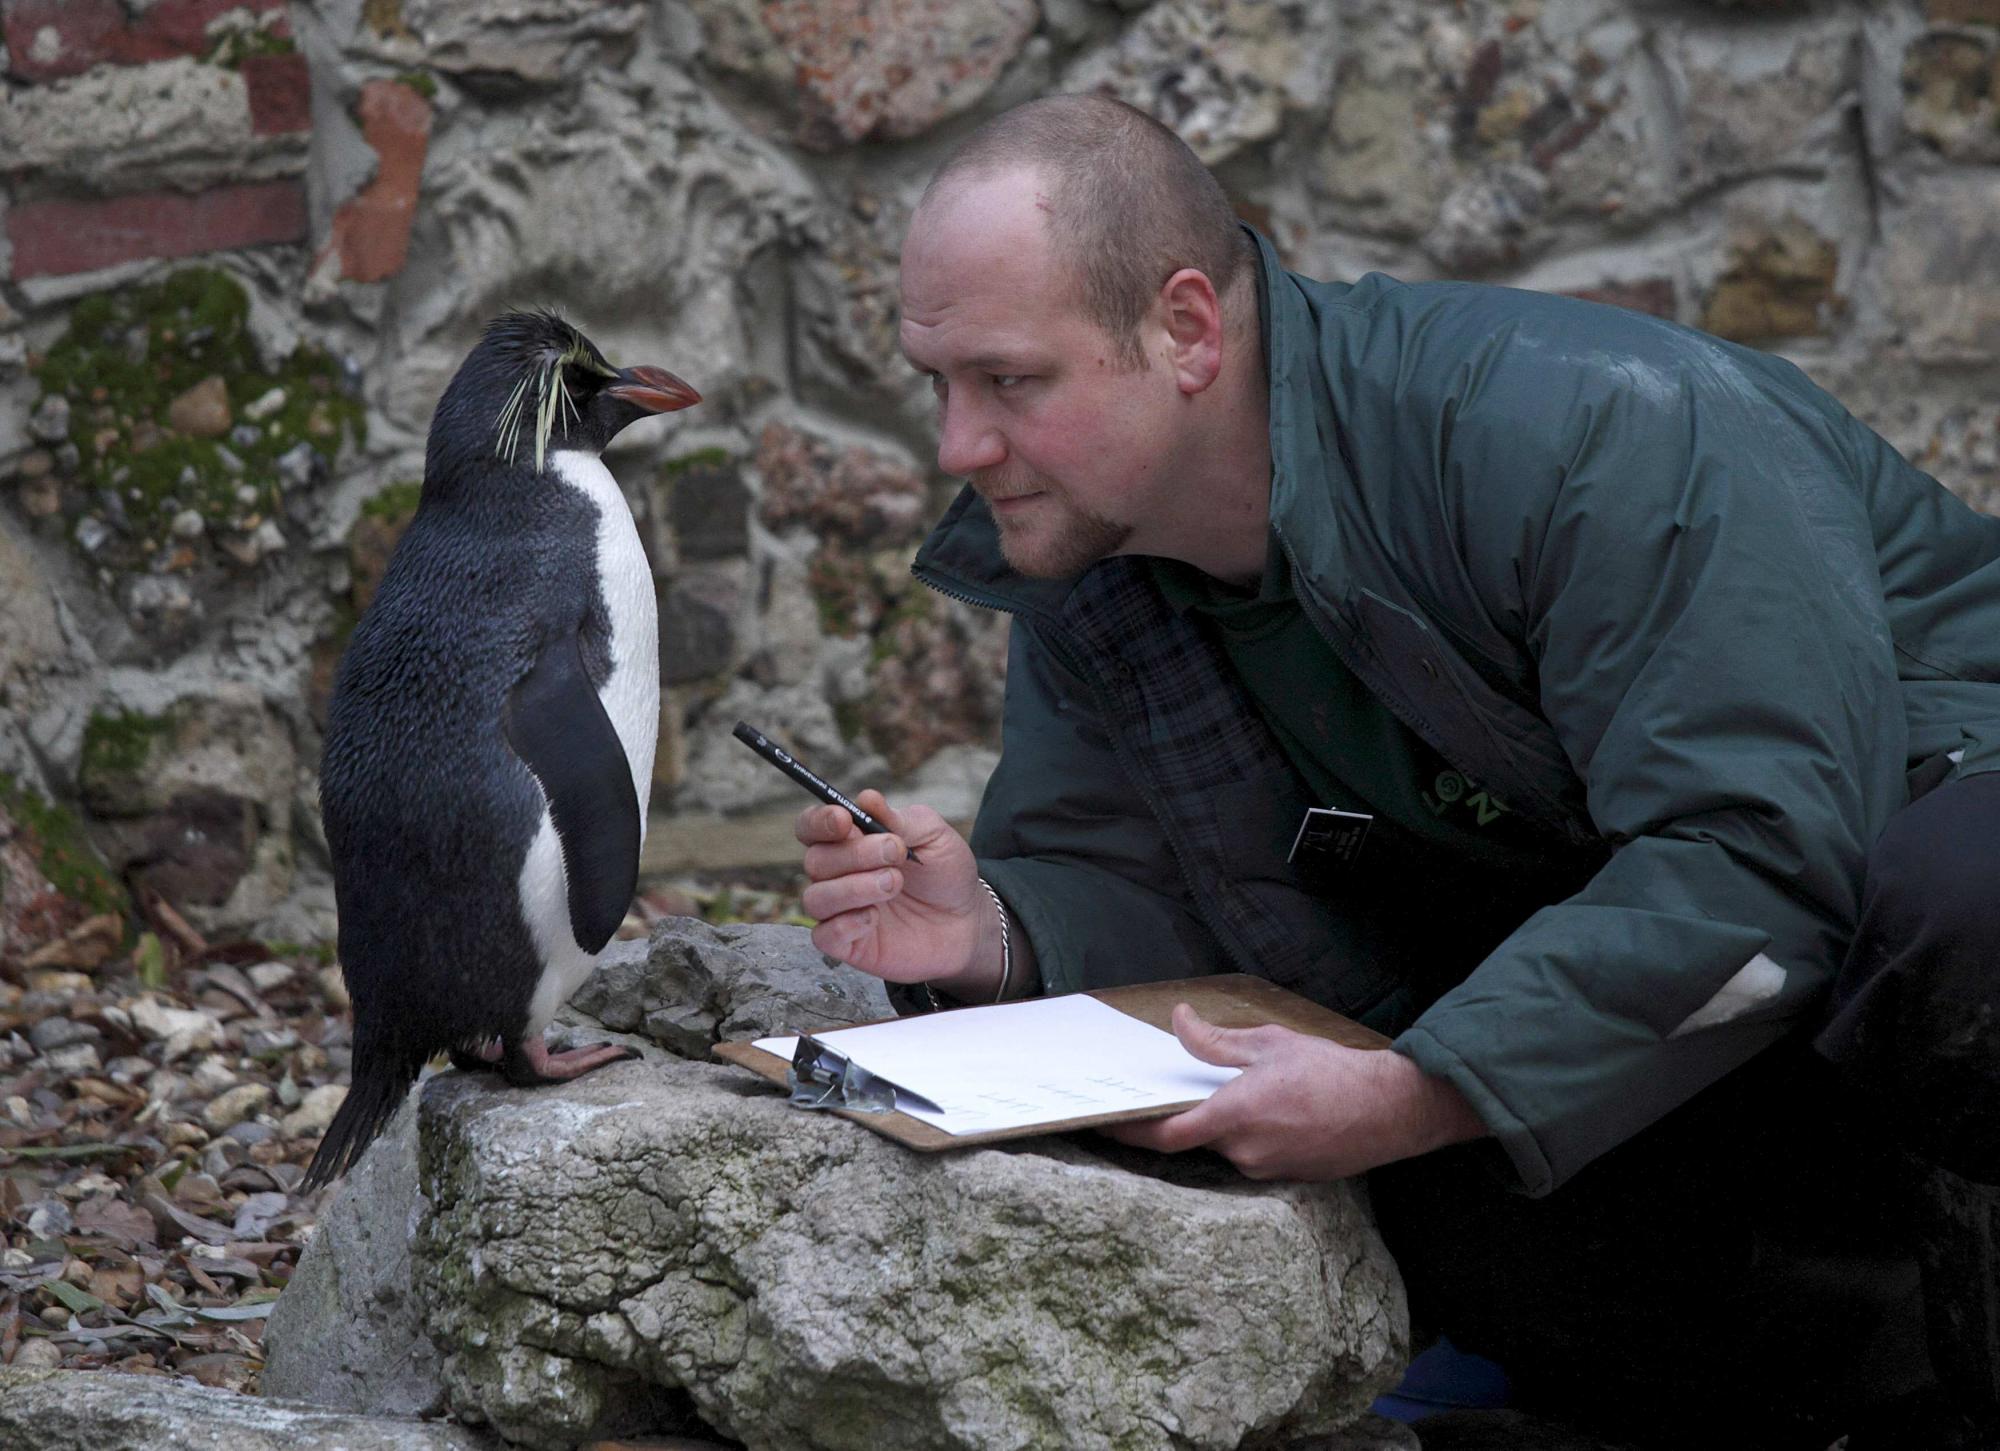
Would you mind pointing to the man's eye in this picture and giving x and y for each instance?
(1004, 381)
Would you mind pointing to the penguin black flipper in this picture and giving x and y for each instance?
(557, 725)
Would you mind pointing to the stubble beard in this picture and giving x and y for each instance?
(1062, 547)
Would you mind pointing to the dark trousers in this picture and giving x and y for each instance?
(1916, 1030)
(1742, 1273)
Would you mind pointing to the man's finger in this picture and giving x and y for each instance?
(877, 805)
(1191, 1129)
(822, 823)
(1224, 1047)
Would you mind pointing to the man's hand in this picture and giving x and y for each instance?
(1304, 1108)
(900, 920)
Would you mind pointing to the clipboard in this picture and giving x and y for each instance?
(1229, 1000)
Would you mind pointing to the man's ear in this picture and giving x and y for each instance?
(1191, 315)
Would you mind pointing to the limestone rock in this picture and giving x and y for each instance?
(1755, 98)
(857, 494)
(659, 1233)
(851, 70)
(197, 802)
(96, 1411)
(709, 504)
(639, 199)
(938, 679)
(176, 122)
(1478, 128)
(535, 41)
(1222, 75)
(346, 1333)
(227, 741)
(694, 985)
(1951, 90)
(701, 619)
(29, 634)
(848, 306)
(723, 777)
(1942, 268)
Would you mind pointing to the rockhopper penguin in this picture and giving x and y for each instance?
(489, 744)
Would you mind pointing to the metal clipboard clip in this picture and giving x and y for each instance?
(822, 1078)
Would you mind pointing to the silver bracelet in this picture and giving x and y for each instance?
(1006, 955)
(1006, 943)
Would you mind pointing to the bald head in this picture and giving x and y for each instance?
(1125, 202)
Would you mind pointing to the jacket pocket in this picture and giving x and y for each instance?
(1429, 685)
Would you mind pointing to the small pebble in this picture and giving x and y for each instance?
(230, 1109)
(37, 1353)
(182, 1135)
(212, 1077)
(267, 975)
(262, 408)
(53, 1033)
(74, 1061)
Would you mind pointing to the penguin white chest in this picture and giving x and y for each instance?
(631, 693)
(631, 697)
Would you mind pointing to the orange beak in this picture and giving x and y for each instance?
(653, 389)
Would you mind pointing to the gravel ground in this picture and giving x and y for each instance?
(159, 1103)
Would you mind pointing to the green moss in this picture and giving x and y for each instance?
(907, 607)
(838, 584)
(119, 744)
(128, 354)
(395, 503)
(236, 46)
(64, 855)
(422, 82)
(701, 458)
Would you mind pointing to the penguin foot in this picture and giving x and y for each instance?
(528, 1061)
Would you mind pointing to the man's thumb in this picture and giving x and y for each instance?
(1224, 1047)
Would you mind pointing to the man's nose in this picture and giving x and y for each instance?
(967, 443)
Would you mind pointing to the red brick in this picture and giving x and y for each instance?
(96, 32)
(280, 90)
(371, 230)
(52, 238)
(87, 32)
(182, 25)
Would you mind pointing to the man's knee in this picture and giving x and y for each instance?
(1931, 898)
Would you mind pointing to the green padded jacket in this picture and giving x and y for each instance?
(1657, 591)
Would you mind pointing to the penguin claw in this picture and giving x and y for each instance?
(528, 1062)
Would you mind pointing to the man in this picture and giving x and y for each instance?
(1632, 643)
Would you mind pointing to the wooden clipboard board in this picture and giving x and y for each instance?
(1231, 1000)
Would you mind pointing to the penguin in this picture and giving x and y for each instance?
(489, 740)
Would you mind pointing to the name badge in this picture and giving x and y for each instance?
(1327, 836)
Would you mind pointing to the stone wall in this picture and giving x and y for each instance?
(245, 243)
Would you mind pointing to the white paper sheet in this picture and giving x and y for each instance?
(1017, 1064)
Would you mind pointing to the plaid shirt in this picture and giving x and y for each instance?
(1188, 731)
